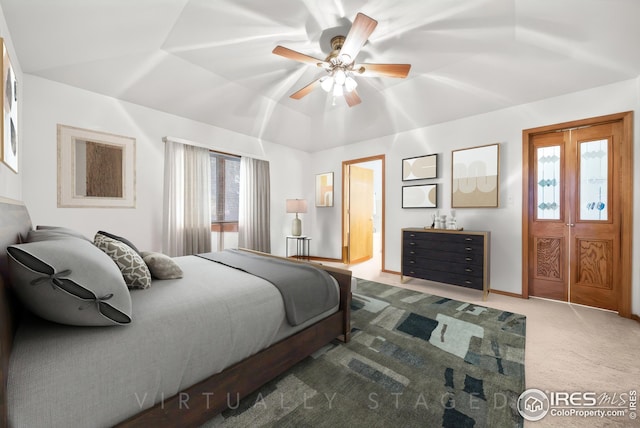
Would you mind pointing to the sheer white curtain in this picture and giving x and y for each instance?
(187, 199)
(254, 226)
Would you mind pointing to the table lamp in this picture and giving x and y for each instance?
(296, 206)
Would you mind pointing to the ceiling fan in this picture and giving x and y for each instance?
(340, 64)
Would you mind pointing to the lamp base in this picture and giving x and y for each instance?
(296, 227)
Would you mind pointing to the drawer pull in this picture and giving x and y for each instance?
(468, 259)
(468, 282)
(412, 235)
(468, 270)
(412, 252)
(411, 261)
(468, 248)
(412, 243)
(468, 239)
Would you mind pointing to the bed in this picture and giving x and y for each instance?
(164, 368)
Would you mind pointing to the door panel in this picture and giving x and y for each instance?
(360, 214)
(548, 276)
(595, 270)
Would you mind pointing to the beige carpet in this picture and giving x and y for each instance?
(568, 347)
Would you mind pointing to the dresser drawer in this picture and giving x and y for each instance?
(445, 277)
(473, 256)
(445, 237)
(443, 266)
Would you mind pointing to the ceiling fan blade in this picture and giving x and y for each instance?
(353, 99)
(386, 70)
(360, 31)
(297, 56)
(306, 90)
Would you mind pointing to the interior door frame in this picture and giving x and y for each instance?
(345, 203)
(626, 199)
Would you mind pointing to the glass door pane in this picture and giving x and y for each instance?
(594, 173)
(548, 180)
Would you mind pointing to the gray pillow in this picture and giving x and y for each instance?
(134, 270)
(47, 235)
(161, 265)
(63, 230)
(69, 281)
(121, 239)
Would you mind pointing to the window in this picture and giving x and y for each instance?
(225, 197)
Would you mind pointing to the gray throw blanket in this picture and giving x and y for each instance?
(306, 290)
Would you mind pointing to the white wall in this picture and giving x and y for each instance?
(10, 182)
(504, 223)
(48, 103)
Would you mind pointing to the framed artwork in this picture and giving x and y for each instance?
(420, 196)
(9, 91)
(475, 175)
(95, 169)
(324, 190)
(420, 167)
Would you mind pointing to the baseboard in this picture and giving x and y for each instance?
(324, 259)
(391, 271)
(506, 293)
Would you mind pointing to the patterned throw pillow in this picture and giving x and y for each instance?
(134, 270)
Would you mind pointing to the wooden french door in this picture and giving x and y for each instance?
(574, 214)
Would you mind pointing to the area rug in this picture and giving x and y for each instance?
(414, 360)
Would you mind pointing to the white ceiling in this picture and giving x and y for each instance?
(211, 60)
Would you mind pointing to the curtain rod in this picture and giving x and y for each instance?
(214, 148)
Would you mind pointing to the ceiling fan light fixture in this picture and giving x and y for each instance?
(326, 83)
(350, 84)
(340, 64)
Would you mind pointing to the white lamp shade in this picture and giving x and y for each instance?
(326, 83)
(296, 206)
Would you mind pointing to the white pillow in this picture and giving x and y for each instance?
(69, 281)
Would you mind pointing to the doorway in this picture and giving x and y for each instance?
(578, 213)
(363, 210)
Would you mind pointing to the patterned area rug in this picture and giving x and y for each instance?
(414, 360)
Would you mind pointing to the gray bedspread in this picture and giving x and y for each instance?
(306, 290)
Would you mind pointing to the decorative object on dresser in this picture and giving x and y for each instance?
(420, 167)
(475, 177)
(448, 256)
(296, 206)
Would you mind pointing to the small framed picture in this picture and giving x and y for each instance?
(420, 167)
(324, 189)
(420, 196)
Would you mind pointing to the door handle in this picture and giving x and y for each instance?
(570, 224)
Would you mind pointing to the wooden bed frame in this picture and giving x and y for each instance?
(206, 398)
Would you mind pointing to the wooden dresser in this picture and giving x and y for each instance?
(449, 256)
